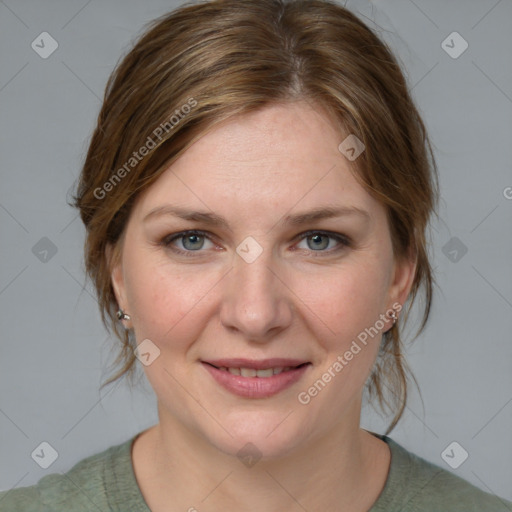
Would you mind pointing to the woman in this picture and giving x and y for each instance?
(256, 196)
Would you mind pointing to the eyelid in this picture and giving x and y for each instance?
(343, 240)
(167, 240)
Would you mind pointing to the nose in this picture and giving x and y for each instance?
(256, 302)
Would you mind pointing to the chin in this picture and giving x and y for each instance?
(259, 435)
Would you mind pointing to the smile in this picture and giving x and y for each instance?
(250, 382)
(251, 372)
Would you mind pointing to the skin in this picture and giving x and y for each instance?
(294, 300)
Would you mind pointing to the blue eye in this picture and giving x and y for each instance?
(192, 241)
(318, 242)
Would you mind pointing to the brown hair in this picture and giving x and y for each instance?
(202, 64)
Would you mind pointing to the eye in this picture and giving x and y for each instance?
(191, 241)
(319, 241)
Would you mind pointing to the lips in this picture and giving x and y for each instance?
(260, 364)
(256, 378)
(251, 372)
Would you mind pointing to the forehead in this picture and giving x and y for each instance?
(278, 158)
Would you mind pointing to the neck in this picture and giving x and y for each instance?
(344, 469)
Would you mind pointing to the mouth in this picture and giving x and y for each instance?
(256, 379)
(253, 372)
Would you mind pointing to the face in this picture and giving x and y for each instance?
(220, 267)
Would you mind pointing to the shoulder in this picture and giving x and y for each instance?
(416, 484)
(83, 488)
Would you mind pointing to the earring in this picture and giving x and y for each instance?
(121, 315)
(394, 316)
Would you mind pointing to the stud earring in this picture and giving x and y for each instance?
(121, 315)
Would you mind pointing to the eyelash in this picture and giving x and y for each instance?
(343, 240)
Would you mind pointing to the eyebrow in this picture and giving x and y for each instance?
(212, 219)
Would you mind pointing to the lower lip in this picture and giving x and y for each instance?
(256, 387)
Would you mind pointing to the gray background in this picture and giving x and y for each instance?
(54, 350)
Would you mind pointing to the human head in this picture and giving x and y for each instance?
(204, 64)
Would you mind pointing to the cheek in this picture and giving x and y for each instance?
(344, 302)
(167, 300)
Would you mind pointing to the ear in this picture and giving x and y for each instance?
(404, 273)
(115, 266)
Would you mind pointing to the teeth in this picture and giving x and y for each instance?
(251, 372)
(265, 373)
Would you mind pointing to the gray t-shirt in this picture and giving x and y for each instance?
(106, 482)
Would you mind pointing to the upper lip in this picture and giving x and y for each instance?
(260, 364)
